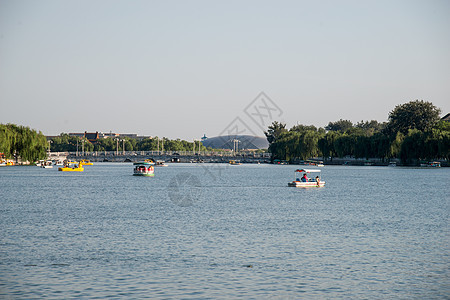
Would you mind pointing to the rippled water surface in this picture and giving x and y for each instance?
(220, 231)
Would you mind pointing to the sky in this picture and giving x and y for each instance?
(181, 69)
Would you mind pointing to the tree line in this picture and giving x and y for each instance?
(28, 144)
(413, 132)
(65, 142)
(21, 141)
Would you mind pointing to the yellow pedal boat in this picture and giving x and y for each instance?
(72, 168)
(86, 162)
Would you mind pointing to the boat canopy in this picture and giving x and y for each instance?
(308, 170)
(145, 163)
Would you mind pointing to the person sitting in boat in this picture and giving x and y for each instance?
(305, 178)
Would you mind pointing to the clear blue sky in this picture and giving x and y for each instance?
(183, 68)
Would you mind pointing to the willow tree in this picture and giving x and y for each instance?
(23, 142)
(326, 144)
(7, 140)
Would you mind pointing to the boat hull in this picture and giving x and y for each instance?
(144, 174)
(308, 184)
(67, 169)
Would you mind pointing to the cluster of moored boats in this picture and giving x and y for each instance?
(145, 168)
(66, 166)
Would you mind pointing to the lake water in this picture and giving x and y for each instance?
(218, 231)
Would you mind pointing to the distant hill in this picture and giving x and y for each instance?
(245, 142)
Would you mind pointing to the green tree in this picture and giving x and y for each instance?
(341, 125)
(412, 146)
(381, 146)
(149, 144)
(67, 143)
(326, 144)
(7, 140)
(107, 144)
(371, 127)
(275, 130)
(23, 142)
(303, 128)
(420, 115)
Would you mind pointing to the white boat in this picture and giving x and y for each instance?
(317, 163)
(143, 169)
(58, 163)
(46, 164)
(304, 181)
(161, 163)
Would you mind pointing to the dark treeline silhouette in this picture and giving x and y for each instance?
(413, 132)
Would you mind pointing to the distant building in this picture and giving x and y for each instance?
(446, 118)
(129, 135)
(108, 135)
(76, 134)
(91, 136)
(51, 137)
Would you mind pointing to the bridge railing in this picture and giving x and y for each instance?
(170, 153)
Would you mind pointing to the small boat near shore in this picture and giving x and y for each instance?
(86, 162)
(317, 163)
(305, 182)
(58, 163)
(72, 167)
(235, 163)
(143, 169)
(6, 163)
(431, 164)
(161, 163)
(46, 164)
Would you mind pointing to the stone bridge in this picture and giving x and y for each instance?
(170, 156)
